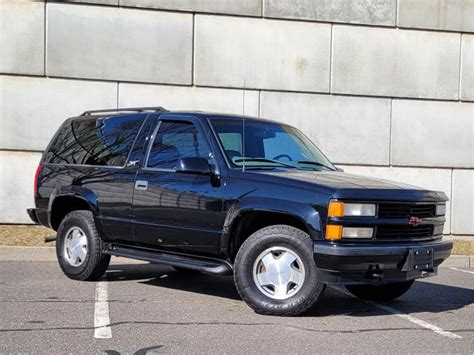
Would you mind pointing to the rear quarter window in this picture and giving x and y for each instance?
(104, 141)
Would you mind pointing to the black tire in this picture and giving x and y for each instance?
(96, 263)
(385, 292)
(277, 236)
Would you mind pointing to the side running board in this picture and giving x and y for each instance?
(208, 266)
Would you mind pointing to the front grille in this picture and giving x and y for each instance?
(404, 232)
(402, 210)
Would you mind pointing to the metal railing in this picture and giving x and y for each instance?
(128, 109)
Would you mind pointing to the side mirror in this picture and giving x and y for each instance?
(339, 169)
(198, 166)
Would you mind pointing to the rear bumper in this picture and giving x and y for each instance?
(378, 263)
(32, 212)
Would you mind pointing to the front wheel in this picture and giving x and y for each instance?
(385, 292)
(275, 272)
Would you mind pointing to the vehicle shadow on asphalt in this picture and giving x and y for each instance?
(168, 277)
(424, 296)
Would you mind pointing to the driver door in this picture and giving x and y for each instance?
(177, 211)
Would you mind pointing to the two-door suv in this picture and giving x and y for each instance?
(227, 194)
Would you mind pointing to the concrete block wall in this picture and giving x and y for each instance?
(384, 87)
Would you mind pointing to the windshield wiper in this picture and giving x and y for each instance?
(309, 162)
(265, 160)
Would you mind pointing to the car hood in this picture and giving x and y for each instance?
(345, 185)
(339, 180)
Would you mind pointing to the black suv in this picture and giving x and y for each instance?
(226, 194)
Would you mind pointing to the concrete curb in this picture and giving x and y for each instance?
(459, 261)
(45, 254)
(49, 254)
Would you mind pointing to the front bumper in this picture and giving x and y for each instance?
(343, 263)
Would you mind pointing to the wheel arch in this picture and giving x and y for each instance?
(247, 216)
(66, 200)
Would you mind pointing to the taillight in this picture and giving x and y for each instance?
(35, 184)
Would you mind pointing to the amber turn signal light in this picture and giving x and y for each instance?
(336, 209)
(333, 232)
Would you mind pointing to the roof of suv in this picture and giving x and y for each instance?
(216, 115)
(147, 110)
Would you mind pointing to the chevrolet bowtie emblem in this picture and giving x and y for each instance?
(414, 221)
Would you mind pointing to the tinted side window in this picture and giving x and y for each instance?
(176, 140)
(102, 141)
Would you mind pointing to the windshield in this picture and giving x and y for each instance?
(268, 144)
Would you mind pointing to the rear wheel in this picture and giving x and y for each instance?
(385, 292)
(79, 247)
(275, 272)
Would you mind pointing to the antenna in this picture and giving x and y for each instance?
(243, 129)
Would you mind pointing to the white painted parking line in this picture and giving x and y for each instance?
(417, 321)
(407, 317)
(468, 272)
(102, 328)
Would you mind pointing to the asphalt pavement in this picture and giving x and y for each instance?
(144, 308)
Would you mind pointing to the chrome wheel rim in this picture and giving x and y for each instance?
(75, 246)
(279, 273)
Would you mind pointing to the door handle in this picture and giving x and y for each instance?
(141, 185)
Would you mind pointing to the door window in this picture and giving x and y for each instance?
(173, 141)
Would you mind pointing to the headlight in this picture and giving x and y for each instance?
(440, 210)
(341, 209)
(352, 232)
(336, 232)
(359, 209)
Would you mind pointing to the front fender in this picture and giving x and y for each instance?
(304, 212)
